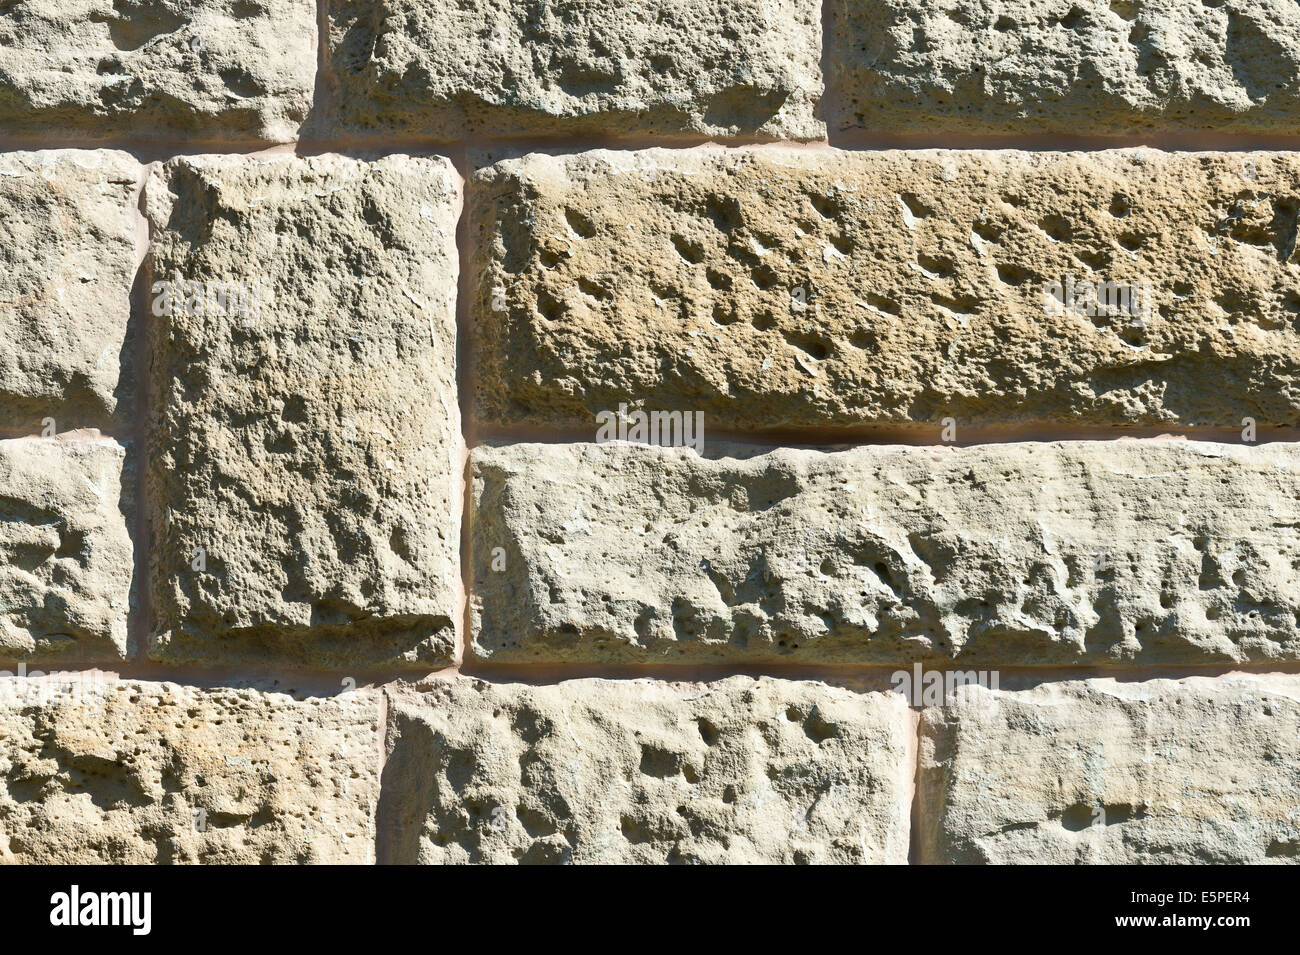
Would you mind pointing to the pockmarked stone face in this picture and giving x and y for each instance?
(521, 67)
(67, 262)
(1192, 771)
(130, 773)
(777, 287)
(596, 771)
(305, 483)
(1152, 551)
(66, 563)
(1064, 67)
(239, 70)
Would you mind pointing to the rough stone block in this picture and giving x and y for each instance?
(1151, 551)
(779, 287)
(240, 70)
(519, 68)
(67, 261)
(66, 558)
(586, 771)
(308, 462)
(130, 773)
(1098, 771)
(1060, 66)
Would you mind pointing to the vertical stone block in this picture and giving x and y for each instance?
(306, 445)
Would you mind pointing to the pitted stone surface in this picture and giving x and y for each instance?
(585, 67)
(1152, 551)
(239, 70)
(65, 550)
(1098, 771)
(67, 262)
(305, 489)
(738, 771)
(130, 773)
(1025, 66)
(778, 287)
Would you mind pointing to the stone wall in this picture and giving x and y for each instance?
(678, 431)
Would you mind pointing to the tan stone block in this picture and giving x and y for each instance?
(597, 771)
(307, 473)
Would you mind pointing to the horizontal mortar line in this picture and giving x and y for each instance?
(923, 435)
(146, 151)
(378, 148)
(150, 150)
(548, 673)
(265, 677)
(1208, 141)
(926, 435)
(160, 151)
(558, 142)
(868, 676)
(77, 436)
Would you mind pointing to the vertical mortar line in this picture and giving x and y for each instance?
(322, 99)
(829, 95)
(466, 287)
(140, 313)
(383, 762)
(914, 819)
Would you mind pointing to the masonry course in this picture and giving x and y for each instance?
(1022, 554)
(774, 288)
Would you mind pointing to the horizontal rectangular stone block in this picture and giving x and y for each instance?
(593, 771)
(1064, 67)
(189, 69)
(779, 287)
(514, 68)
(1098, 771)
(1151, 551)
(306, 483)
(66, 558)
(97, 771)
(68, 225)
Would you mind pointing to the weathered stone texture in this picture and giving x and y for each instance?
(140, 773)
(738, 771)
(310, 449)
(1024, 66)
(155, 69)
(66, 560)
(586, 67)
(1097, 771)
(1129, 551)
(781, 287)
(67, 261)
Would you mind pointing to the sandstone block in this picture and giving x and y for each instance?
(512, 68)
(1151, 551)
(1098, 771)
(66, 561)
(595, 771)
(308, 462)
(101, 771)
(775, 287)
(157, 69)
(67, 262)
(1064, 67)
